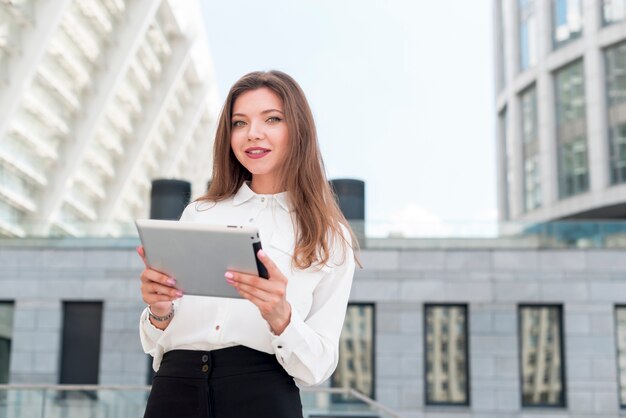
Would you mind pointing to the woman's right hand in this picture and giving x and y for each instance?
(157, 289)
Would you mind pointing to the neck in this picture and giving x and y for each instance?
(264, 185)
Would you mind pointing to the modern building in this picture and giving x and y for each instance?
(430, 332)
(97, 98)
(561, 103)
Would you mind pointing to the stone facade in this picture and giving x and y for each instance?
(587, 283)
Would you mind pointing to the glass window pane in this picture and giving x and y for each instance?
(527, 34)
(613, 11)
(541, 356)
(566, 20)
(445, 362)
(508, 151)
(620, 324)
(6, 333)
(356, 351)
(615, 60)
(530, 141)
(571, 130)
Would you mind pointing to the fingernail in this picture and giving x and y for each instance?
(179, 294)
(229, 275)
(261, 253)
(171, 281)
(230, 281)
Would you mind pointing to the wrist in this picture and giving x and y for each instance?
(279, 325)
(161, 313)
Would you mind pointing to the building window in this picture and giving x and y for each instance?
(6, 333)
(507, 155)
(502, 12)
(620, 336)
(567, 21)
(615, 60)
(613, 11)
(527, 34)
(530, 141)
(80, 345)
(542, 365)
(356, 351)
(446, 354)
(571, 130)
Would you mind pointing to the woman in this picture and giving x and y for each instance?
(233, 358)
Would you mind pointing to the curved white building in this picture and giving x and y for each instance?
(97, 98)
(561, 103)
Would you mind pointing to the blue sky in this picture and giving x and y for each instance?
(402, 93)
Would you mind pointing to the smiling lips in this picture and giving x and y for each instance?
(257, 152)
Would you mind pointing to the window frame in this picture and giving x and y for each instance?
(340, 398)
(563, 375)
(466, 334)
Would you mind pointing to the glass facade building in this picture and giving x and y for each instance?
(564, 105)
(99, 98)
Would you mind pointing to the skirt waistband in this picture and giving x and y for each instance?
(224, 362)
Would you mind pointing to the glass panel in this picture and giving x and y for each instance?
(613, 11)
(507, 157)
(530, 141)
(501, 32)
(541, 356)
(356, 351)
(567, 21)
(6, 332)
(446, 354)
(528, 34)
(620, 324)
(571, 130)
(615, 60)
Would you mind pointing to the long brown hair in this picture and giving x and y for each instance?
(318, 218)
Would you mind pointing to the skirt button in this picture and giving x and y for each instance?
(205, 368)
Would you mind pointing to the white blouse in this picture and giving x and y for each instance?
(308, 347)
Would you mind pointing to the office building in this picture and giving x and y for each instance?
(97, 98)
(560, 67)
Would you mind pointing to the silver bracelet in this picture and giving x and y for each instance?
(161, 318)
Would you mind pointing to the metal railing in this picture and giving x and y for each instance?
(372, 235)
(126, 401)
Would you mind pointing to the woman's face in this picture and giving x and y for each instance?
(259, 136)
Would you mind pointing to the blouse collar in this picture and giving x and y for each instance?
(245, 193)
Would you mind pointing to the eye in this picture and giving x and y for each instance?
(238, 123)
(273, 119)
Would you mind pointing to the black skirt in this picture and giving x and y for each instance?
(228, 383)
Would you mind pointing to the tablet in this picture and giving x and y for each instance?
(197, 255)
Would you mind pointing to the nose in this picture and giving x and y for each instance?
(255, 132)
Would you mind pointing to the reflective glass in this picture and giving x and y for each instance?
(620, 324)
(613, 11)
(566, 20)
(501, 32)
(527, 33)
(6, 333)
(571, 130)
(530, 141)
(615, 60)
(506, 142)
(445, 363)
(541, 356)
(356, 351)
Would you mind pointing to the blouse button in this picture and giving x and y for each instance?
(217, 328)
(262, 199)
(251, 219)
(280, 346)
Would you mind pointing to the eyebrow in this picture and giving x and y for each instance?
(263, 112)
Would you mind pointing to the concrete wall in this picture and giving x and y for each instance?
(588, 283)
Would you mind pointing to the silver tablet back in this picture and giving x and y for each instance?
(197, 255)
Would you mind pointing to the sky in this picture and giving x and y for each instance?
(402, 94)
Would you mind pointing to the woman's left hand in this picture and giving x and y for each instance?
(269, 295)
